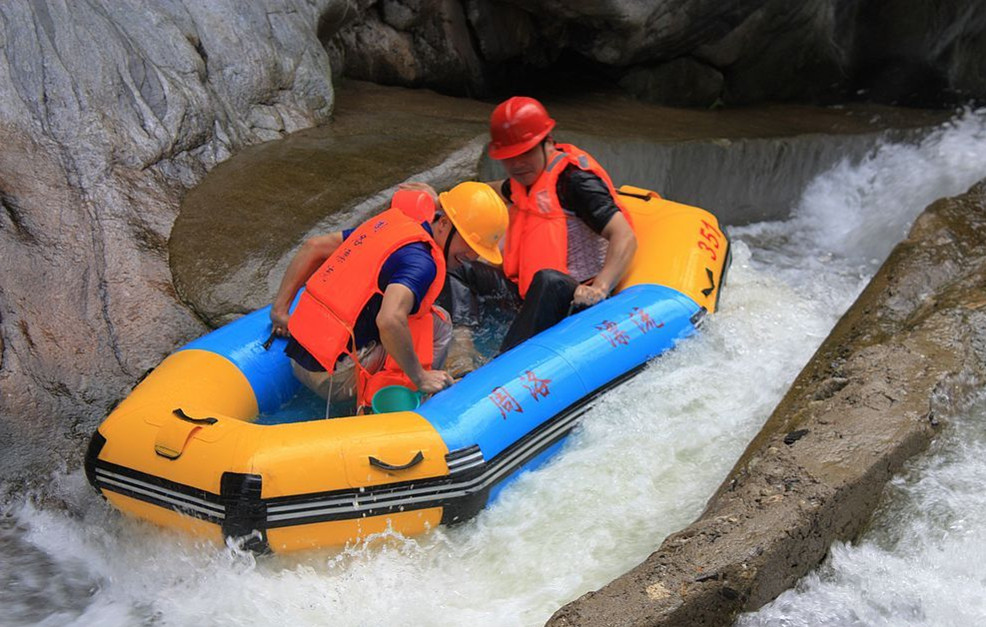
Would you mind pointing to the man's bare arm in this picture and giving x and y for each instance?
(619, 254)
(395, 335)
(313, 252)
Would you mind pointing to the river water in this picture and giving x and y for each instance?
(641, 466)
(921, 560)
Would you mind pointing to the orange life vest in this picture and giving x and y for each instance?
(337, 292)
(537, 236)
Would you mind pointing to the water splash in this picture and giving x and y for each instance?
(641, 466)
(921, 561)
(844, 210)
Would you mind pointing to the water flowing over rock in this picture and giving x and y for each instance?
(108, 112)
(261, 203)
(911, 348)
(917, 51)
(100, 144)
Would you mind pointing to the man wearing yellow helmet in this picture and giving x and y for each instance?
(368, 316)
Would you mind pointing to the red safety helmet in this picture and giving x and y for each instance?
(517, 125)
(416, 204)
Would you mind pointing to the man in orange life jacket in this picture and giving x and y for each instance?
(367, 317)
(570, 241)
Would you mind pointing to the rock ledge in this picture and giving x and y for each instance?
(872, 396)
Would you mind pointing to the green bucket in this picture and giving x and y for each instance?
(395, 398)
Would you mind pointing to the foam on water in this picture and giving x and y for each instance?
(641, 466)
(921, 561)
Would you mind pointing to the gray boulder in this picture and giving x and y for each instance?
(784, 51)
(412, 43)
(109, 111)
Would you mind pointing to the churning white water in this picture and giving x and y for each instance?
(921, 561)
(641, 466)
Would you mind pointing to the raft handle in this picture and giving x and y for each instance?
(195, 421)
(418, 458)
(712, 282)
(646, 196)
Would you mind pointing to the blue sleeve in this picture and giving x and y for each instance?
(412, 267)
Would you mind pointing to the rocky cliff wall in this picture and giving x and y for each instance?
(109, 111)
(676, 52)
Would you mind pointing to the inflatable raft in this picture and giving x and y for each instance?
(185, 450)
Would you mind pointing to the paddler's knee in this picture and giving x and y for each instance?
(553, 286)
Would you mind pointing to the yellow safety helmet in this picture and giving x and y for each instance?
(479, 215)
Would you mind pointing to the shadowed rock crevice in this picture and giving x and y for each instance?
(861, 408)
(16, 219)
(678, 52)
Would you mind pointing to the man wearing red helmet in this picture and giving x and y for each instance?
(569, 240)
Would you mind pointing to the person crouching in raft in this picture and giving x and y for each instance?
(570, 240)
(367, 317)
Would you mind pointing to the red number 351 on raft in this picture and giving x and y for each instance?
(711, 236)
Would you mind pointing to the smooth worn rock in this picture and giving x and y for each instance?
(912, 345)
(917, 51)
(786, 51)
(259, 205)
(412, 43)
(502, 30)
(680, 83)
(109, 111)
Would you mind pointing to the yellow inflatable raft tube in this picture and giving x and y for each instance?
(185, 450)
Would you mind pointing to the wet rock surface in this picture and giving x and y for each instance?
(680, 83)
(870, 398)
(745, 165)
(108, 113)
(259, 205)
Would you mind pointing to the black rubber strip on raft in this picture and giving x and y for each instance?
(246, 512)
(242, 512)
(96, 444)
(725, 267)
(156, 485)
